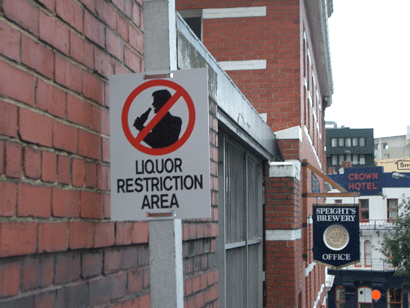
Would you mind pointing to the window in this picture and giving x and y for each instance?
(362, 142)
(385, 146)
(367, 254)
(334, 160)
(359, 264)
(355, 159)
(376, 146)
(340, 297)
(194, 20)
(409, 298)
(362, 160)
(348, 157)
(364, 210)
(364, 297)
(341, 142)
(334, 142)
(394, 298)
(239, 242)
(392, 209)
(355, 142)
(341, 159)
(348, 142)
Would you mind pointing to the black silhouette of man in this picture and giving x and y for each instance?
(166, 131)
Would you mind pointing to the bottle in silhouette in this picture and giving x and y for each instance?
(166, 131)
(139, 122)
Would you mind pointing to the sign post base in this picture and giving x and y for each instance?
(165, 246)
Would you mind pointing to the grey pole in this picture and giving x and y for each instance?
(165, 236)
(160, 44)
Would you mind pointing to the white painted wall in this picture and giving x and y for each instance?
(377, 225)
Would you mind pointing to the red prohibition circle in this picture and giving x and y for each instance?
(136, 141)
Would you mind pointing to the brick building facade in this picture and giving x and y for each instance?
(58, 246)
(276, 52)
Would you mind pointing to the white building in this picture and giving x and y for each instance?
(353, 284)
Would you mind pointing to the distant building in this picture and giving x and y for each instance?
(352, 285)
(349, 145)
(392, 147)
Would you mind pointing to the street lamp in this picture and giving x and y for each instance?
(396, 175)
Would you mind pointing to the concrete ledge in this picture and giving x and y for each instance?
(243, 65)
(283, 235)
(289, 168)
(254, 11)
(294, 132)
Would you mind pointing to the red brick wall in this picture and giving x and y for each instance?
(199, 239)
(57, 245)
(283, 258)
(275, 38)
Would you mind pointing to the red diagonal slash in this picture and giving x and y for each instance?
(161, 113)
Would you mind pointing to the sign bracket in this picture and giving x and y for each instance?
(157, 75)
(305, 194)
(161, 215)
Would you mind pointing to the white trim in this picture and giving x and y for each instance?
(311, 144)
(253, 11)
(309, 57)
(283, 235)
(264, 116)
(243, 65)
(318, 295)
(289, 168)
(309, 268)
(329, 280)
(294, 132)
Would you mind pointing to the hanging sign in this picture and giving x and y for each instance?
(160, 164)
(336, 241)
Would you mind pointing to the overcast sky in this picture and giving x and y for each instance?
(370, 50)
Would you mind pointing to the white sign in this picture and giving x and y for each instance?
(160, 161)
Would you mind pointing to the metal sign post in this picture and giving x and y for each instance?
(165, 237)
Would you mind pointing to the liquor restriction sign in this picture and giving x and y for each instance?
(160, 164)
